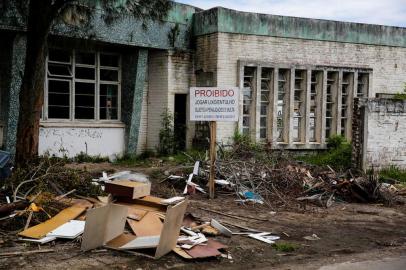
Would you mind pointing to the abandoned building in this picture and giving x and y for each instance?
(107, 84)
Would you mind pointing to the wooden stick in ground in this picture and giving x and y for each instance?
(28, 220)
(18, 253)
(233, 216)
(213, 127)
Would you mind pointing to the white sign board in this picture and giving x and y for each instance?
(218, 104)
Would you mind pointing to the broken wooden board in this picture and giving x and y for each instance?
(171, 228)
(136, 214)
(103, 224)
(41, 230)
(182, 253)
(142, 242)
(129, 189)
(149, 225)
(211, 249)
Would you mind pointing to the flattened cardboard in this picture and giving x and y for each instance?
(171, 229)
(149, 225)
(142, 242)
(101, 220)
(127, 188)
(148, 203)
(103, 224)
(41, 230)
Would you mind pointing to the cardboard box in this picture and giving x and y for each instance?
(129, 189)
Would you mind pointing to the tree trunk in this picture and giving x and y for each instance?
(32, 88)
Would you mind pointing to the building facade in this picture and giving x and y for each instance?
(107, 85)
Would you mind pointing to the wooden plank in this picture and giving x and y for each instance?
(149, 225)
(171, 228)
(41, 230)
(213, 128)
(120, 240)
(103, 224)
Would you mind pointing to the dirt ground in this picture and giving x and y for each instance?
(347, 232)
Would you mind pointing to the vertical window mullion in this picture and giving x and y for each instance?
(119, 89)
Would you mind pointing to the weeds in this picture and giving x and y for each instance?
(393, 172)
(285, 247)
(338, 156)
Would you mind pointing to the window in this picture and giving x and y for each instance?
(346, 92)
(283, 90)
(363, 85)
(82, 86)
(299, 105)
(248, 101)
(331, 98)
(314, 103)
(266, 86)
(316, 87)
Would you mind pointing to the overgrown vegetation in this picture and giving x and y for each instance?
(166, 134)
(401, 95)
(82, 157)
(338, 156)
(285, 246)
(135, 160)
(393, 173)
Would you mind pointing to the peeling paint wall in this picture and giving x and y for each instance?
(385, 133)
(71, 141)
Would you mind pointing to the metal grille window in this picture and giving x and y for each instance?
(248, 101)
(283, 86)
(82, 86)
(299, 104)
(266, 86)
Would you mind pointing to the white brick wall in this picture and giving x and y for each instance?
(220, 52)
(385, 134)
(169, 73)
(157, 95)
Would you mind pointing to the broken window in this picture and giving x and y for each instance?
(266, 86)
(248, 101)
(283, 86)
(299, 105)
(80, 87)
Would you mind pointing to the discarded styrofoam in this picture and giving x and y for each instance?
(41, 241)
(173, 200)
(221, 228)
(69, 230)
(264, 237)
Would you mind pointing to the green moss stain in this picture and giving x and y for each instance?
(231, 21)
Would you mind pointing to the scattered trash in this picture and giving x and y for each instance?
(264, 237)
(128, 189)
(312, 237)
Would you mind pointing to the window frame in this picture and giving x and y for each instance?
(72, 93)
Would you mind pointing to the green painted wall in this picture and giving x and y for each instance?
(230, 21)
(125, 30)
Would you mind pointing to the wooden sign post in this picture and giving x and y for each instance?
(214, 104)
(213, 154)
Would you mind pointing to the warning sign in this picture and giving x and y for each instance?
(214, 104)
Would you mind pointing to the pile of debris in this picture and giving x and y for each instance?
(284, 182)
(126, 218)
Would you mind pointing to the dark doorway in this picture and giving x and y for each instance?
(180, 122)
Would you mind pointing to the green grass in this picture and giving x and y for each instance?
(393, 172)
(285, 246)
(338, 156)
